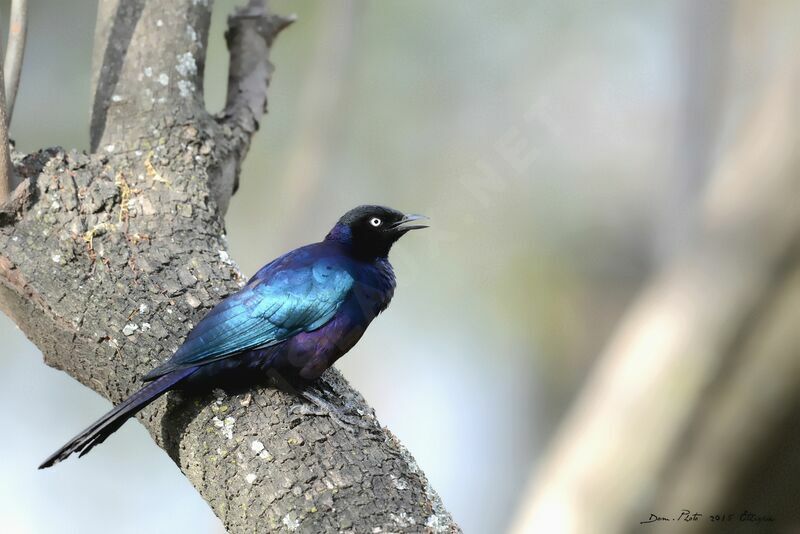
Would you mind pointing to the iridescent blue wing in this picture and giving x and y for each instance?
(281, 301)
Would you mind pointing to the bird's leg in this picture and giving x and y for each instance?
(324, 386)
(324, 407)
(315, 393)
(282, 383)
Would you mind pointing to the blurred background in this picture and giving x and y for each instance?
(601, 322)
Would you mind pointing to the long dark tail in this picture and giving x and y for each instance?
(98, 431)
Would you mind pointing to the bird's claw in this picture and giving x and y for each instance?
(318, 406)
(305, 408)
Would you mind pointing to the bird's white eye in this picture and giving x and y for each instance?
(375, 222)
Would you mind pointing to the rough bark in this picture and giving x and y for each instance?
(108, 259)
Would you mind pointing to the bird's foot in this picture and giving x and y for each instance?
(317, 405)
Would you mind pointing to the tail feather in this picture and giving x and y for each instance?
(98, 431)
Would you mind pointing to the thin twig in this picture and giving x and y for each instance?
(6, 170)
(12, 66)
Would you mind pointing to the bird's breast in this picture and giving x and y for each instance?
(311, 353)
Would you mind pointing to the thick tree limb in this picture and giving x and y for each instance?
(107, 260)
(148, 66)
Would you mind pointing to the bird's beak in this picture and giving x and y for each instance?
(403, 225)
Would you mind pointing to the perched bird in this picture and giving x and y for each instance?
(296, 316)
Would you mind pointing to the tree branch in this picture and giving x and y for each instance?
(107, 260)
(15, 51)
(148, 65)
(251, 31)
(6, 168)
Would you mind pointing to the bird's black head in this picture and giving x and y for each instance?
(372, 230)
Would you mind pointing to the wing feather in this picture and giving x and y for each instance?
(270, 309)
